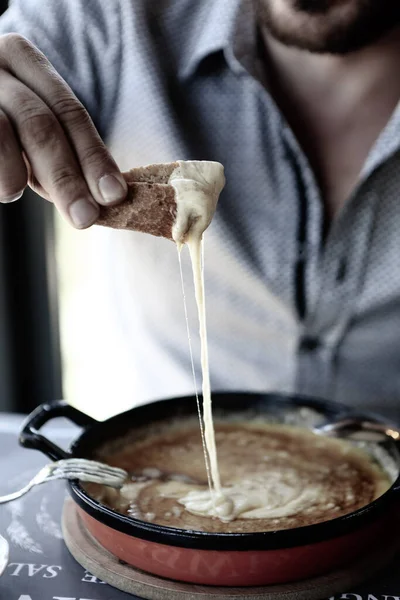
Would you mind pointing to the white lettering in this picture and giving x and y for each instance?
(62, 598)
(350, 596)
(17, 570)
(51, 571)
(24, 597)
(34, 569)
(48, 571)
(89, 578)
(370, 597)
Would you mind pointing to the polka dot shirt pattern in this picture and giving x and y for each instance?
(287, 311)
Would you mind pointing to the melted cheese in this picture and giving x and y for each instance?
(197, 187)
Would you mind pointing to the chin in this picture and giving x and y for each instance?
(328, 26)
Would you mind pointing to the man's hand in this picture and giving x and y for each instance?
(47, 139)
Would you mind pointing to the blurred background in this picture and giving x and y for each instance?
(50, 341)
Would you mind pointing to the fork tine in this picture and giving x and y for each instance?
(93, 479)
(79, 473)
(94, 472)
(112, 481)
(82, 462)
(85, 464)
(81, 469)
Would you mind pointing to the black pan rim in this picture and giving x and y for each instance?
(270, 540)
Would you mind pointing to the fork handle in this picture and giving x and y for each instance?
(39, 478)
(31, 438)
(15, 495)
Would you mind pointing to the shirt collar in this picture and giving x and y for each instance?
(222, 25)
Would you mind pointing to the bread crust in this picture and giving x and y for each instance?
(150, 205)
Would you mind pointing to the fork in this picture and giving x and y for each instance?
(73, 468)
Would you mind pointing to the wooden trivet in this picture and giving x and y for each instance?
(96, 559)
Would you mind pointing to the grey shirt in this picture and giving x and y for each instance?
(287, 310)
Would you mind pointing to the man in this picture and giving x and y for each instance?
(297, 98)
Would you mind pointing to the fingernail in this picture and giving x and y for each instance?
(9, 199)
(83, 213)
(113, 188)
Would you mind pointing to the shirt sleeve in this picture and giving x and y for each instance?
(81, 38)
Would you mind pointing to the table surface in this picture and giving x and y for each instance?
(40, 566)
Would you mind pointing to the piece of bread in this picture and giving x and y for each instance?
(150, 205)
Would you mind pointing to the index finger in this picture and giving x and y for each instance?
(31, 67)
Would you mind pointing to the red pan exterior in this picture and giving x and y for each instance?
(237, 568)
(247, 559)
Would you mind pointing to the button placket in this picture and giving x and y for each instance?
(342, 270)
(343, 267)
(309, 226)
(314, 370)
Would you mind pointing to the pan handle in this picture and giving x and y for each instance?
(31, 438)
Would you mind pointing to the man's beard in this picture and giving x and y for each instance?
(329, 26)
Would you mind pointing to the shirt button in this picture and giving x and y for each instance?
(342, 271)
(309, 343)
